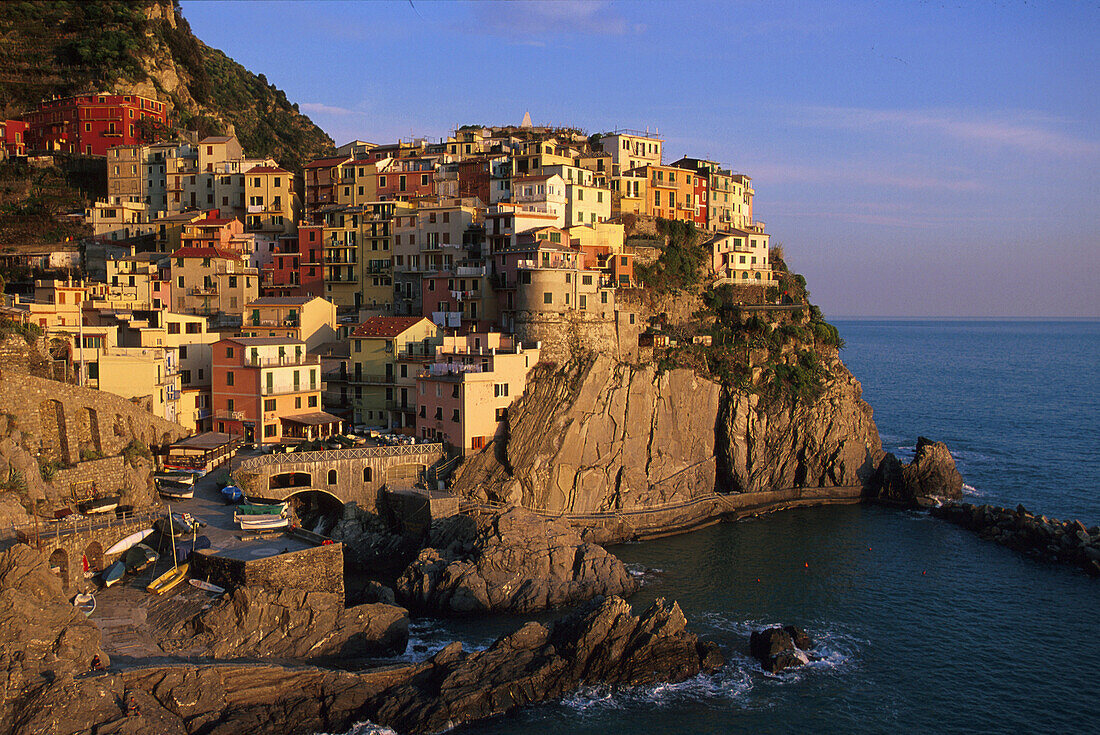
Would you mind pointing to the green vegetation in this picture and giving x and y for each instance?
(63, 48)
(88, 454)
(680, 264)
(48, 469)
(30, 332)
(136, 449)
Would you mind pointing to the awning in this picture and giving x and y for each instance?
(317, 418)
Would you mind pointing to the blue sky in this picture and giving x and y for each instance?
(916, 159)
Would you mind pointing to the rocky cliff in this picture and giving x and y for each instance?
(600, 435)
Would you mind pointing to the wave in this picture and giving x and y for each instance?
(642, 573)
(429, 637)
(973, 491)
(366, 728)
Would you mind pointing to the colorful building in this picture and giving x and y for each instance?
(308, 319)
(272, 203)
(91, 124)
(211, 282)
(376, 346)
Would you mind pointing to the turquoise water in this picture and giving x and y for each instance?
(924, 627)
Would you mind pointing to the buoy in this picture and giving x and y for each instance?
(868, 548)
(807, 565)
(923, 573)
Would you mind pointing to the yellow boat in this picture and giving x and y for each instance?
(168, 580)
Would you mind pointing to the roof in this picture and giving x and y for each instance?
(266, 170)
(326, 162)
(217, 139)
(282, 300)
(189, 252)
(387, 326)
(207, 440)
(318, 418)
(262, 341)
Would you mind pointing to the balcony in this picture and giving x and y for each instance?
(203, 413)
(282, 390)
(280, 361)
(274, 322)
(362, 379)
(399, 406)
(229, 415)
(452, 368)
(203, 291)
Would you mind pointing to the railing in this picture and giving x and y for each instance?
(400, 406)
(452, 368)
(281, 361)
(278, 390)
(329, 455)
(229, 415)
(273, 322)
(373, 379)
(211, 291)
(46, 530)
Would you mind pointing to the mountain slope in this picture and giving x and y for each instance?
(146, 47)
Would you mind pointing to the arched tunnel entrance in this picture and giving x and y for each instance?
(59, 565)
(316, 510)
(93, 558)
(290, 479)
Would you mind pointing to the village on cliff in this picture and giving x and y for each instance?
(406, 288)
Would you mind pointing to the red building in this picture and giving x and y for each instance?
(321, 177)
(91, 123)
(701, 201)
(13, 137)
(296, 268)
(407, 178)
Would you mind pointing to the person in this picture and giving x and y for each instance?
(132, 707)
(97, 665)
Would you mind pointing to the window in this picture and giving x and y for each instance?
(229, 377)
(229, 405)
(173, 328)
(500, 390)
(603, 297)
(332, 477)
(454, 415)
(297, 401)
(185, 376)
(586, 280)
(269, 404)
(502, 413)
(584, 301)
(312, 402)
(631, 318)
(548, 298)
(183, 352)
(269, 431)
(367, 474)
(438, 413)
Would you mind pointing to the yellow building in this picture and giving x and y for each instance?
(143, 373)
(210, 282)
(133, 282)
(586, 205)
(629, 193)
(376, 346)
(272, 201)
(308, 319)
(741, 257)
(630, 149)
(357, 183)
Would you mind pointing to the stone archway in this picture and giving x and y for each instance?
(316, 510)
(59, 565)
(51, 418)
(289, 480)
(93, 558)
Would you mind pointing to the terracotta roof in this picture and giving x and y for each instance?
(386, 326)
(188, 252)
(216, 139)
(326, 162)
(266, 170)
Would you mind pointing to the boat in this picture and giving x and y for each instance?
(85, 603)
(168, 580)
(309, 536)
(262, 523)
(178, 477)
(180, 525)
(175, 491)
(207, 586)
(113, 573)
(261, 509)
(100, 505)
(140, 556)
(232, 494)
(126, 543)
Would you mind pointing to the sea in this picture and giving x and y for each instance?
(921, 626)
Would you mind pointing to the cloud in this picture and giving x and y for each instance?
(1027, 132)
(561, 17)
(319, 108)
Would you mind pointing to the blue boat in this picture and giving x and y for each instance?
(113, 573)
(232, 494)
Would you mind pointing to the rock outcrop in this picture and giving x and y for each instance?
(44, 637)
(603, 644)
(1068, 542)
(780, 648)
(511, 561)
(930, 477)
(254, 622)
(599, 435)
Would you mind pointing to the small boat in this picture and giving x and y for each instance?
(140, 556)
(100, 505)
(262, 523)
(168, 580)
(258, 509)
(113, 573)
(175, 492)
(126, 543)
(232, 494)
(177, 477)
(180, 525)
(207, 586)
(85, 603)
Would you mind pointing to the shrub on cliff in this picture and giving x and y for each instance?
(680, 262)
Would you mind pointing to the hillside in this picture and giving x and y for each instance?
(146, 47)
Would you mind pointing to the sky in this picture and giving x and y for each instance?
(915, 159)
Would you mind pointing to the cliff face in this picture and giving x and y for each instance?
(600, 435)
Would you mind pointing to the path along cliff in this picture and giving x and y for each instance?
(598, 436)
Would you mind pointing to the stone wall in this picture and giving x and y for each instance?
(91, 478)
(62, 419)
(568, 335)
(320, 569)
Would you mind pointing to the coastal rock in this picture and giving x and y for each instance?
(780, 648)
(510, 561)
(931, 476)
(253, 621)
(598, 435)
(602, 644)
(44, 636)
(369, 544)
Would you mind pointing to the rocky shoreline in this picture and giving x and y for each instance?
(1065, 542)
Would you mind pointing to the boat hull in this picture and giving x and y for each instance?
(126, 543)
(207, 586)
(260, 523)
(113, 574)
(168, 580)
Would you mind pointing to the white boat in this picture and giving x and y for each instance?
(207, 586)
(179, 478)
(175, 492)
(262, 523)
(129, 541)
(85, 603)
